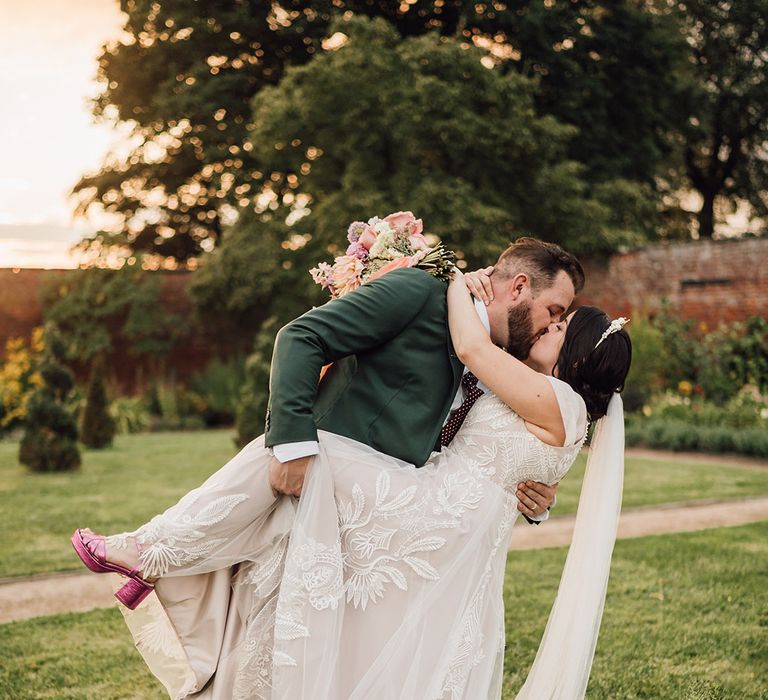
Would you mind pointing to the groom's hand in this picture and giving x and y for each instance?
(288, 477)
(534, 497)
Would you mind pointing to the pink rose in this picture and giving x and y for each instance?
(415, 227)
(418, 242)
(367, 238)
(356, 250)
(401, 219)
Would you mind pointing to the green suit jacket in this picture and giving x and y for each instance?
(394, 376)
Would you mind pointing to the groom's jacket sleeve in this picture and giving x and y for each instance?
(359, 321)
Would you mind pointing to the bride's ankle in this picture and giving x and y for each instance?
(137, 546)
(125, 551)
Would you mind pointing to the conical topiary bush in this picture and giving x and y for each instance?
(98, 427)
(49, 442)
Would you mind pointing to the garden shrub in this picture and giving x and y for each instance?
(732, 356)
(751, 441)
(716, 439)
(130, 414)
(173, 407)
(219, 386)
(19, 378)
(646, 374)
(252, 409)
(683, 436)
(717, 363)
(97, 429)
(49, 442)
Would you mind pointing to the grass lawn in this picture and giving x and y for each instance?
(120, 488)
(685, 619)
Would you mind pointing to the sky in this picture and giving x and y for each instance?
(48, 52)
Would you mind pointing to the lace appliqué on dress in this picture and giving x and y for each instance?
(377, 554)
(468, 641)
(312, 575)
(176, 538)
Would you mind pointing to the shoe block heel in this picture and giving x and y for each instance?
(133, 592)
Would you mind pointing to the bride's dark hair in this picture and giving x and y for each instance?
(595, 373)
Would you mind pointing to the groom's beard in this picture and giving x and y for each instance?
(520, 331)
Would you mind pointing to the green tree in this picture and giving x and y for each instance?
(601, 66)
(252, 409)
(98, 427)
(49, 442)
(724, 95)
(258, 271)
(98, 310)
(384, 124)
(607, 68)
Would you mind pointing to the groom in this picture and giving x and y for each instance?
(395, 379)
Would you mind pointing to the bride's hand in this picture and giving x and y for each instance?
(479, 283)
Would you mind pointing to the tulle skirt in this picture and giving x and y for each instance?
(382, 581)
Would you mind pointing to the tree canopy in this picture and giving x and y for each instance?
(724, 96)
(185, 77)
(97, 310)
(383, 124)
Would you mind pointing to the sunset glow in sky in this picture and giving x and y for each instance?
(48, 53)
(48, 50)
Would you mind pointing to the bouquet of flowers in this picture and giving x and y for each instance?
(380, 246)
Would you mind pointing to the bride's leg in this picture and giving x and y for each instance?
(211, 527)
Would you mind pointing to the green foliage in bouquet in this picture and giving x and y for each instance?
(97, 429)
(49, 442)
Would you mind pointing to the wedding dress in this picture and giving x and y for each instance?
(381, 582)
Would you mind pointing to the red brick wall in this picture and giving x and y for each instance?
(710, 281)
(21, 311)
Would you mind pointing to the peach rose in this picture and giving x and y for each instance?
(367, 238)
(418, 242)
(406, 221)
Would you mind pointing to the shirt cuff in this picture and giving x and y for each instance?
(295, 450)
(540, 518)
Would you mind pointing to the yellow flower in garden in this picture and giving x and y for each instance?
(18, 377)
(685, 388)
(38, 340)
(647, 410)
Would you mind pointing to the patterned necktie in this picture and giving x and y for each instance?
(471, 394)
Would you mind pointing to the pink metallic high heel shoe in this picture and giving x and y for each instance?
(94, 557)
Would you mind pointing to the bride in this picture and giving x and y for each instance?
(385, 581)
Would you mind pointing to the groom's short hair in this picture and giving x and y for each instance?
(541, 261)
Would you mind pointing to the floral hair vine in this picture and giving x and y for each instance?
(616, 325)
